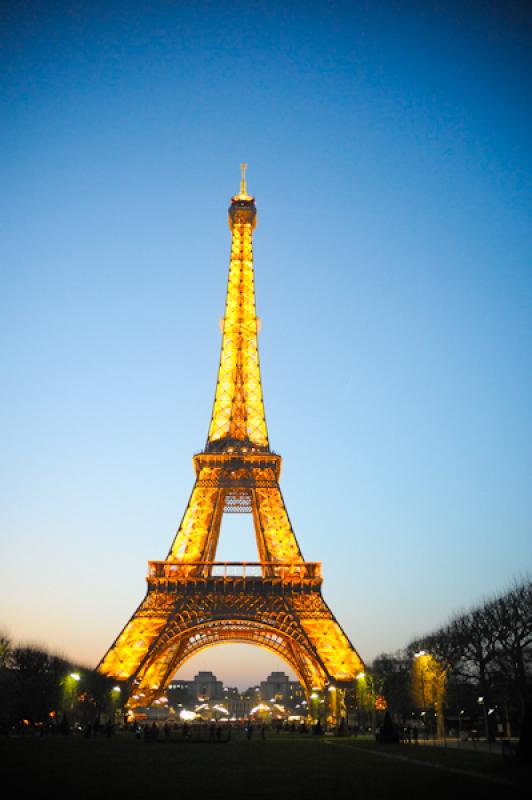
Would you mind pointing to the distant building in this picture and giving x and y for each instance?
(180, 693)
(275, 688)
(204, 687)
(207, 687)
(240, 705)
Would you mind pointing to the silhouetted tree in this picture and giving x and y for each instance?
(5, 650)
(37, 687)
(392, 673)
(488, 653)
(36, 683)
(510, 618)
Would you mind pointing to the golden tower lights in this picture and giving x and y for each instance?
(194, 602)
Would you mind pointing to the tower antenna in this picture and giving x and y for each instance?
(243, 168)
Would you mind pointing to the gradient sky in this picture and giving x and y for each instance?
(389, 151)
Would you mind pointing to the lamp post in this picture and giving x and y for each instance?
(314, 707)
(361, 695)
(431, 677)
(332, 706)
(70, 683)
(482, 702)
(422, 667)
(115, 699)
(365, 693)
(75, 678)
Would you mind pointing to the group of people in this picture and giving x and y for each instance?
(214, 731)
(152, 732)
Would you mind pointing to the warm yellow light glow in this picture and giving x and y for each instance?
(238, 411)
(194, 602)
(429, 678)
(260, 707)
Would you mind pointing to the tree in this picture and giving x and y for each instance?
(510, 618)
(5, 650)
(36, 678)
(392, 673)
(487, 655)
(36, 686)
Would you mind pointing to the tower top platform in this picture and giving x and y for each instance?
(242, 209)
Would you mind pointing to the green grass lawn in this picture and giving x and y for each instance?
(489, 764)
(282, 766)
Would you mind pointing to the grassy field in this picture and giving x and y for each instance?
(281, 766)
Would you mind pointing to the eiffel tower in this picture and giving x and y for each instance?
(192, 600)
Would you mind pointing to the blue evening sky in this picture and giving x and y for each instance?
(389, 151)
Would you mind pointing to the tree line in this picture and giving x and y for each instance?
(46, 691)
(475, 669)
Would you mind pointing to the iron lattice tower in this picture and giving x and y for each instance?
(192, 601)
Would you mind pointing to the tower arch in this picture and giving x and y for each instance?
(154, 677)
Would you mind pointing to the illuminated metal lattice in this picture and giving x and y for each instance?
(194, 602)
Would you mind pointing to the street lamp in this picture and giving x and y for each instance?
(314, 705)
(69, 682)
(115, 699)
(75, 678)
(481, 702)
(366, 691)
(461, 713)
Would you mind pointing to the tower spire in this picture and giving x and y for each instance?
(238, 419)
(243, 168)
